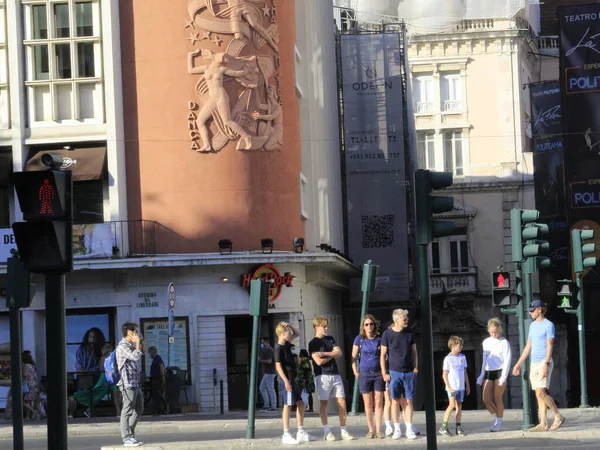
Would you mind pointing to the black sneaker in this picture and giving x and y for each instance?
(460, 432)
(445, 432)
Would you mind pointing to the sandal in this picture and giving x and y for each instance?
(557, 423)
(380, 435)
(538, 427)
(370, 435)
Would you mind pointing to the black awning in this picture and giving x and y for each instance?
(84, 163)
(6, 168)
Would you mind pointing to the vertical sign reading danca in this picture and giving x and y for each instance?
(374, 157)
(579, 28)
(234, 55)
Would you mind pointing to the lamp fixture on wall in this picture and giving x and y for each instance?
(224, 279)
(267, 245)
(298, 244)
(224, 245)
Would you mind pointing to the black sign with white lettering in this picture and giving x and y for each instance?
(579, 29)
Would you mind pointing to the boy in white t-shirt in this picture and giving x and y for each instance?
(456, 380)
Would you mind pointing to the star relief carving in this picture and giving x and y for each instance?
(266, 10)
(189, 24)
(217, 41)
(193, 38)
(206, 35)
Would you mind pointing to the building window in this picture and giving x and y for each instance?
(347, 19)
(79, 324)
(304, 196)
(453, 153)
(4, 109)
(424, 94)
(426, 150)
(88, 201)
(450, 254)
(452, 93)
(63, 59)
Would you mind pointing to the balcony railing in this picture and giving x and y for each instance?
(456, 282)
(452, 106)
(125, 238)
(424, 107)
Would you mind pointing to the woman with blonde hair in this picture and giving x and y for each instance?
(494, 371)
(366, 349)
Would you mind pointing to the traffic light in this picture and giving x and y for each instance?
(45, 240)
(501, 288)
(427, 205)
(369, 277)
(259, 297)
(580, 249)
(18, 293)
(564, 293)
(525, 244)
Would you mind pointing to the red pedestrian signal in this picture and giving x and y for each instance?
(501, 280)
(501, 288)
(42, 195)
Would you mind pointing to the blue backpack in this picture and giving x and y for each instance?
(111, 370)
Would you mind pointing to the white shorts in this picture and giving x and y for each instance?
(535, 375)
(329, 386)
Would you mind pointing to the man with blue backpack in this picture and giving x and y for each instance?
(127, 375)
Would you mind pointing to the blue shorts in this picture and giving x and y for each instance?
(291, 398)
(402, 385)
(459, 395)
(369, 381)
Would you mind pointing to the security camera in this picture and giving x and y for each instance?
(51, 160)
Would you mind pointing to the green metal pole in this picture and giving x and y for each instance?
(253, 370)
(363, 311)
(524, 322)
(427, 353)
(581, 333)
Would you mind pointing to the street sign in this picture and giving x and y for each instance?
(171, 295)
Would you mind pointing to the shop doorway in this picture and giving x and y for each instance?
(238, 332)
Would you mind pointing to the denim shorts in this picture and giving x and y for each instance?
(402, 385)
(458, 394)
(369, 381)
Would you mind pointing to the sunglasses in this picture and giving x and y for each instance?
(370, 324)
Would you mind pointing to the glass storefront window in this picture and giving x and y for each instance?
(79, 324)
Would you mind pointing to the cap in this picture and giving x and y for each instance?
(535, 304)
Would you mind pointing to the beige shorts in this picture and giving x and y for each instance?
(329, 386)
(535, 375)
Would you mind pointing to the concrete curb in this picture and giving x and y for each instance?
(238, 421)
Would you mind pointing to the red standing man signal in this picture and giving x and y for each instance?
(46, 194)
(500, 281)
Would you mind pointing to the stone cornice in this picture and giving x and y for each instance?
(488, 185)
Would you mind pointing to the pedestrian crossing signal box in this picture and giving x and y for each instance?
(501, 289)
(564, 294)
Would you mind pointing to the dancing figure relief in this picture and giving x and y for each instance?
(239, 93)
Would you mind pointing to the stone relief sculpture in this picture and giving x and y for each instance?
(238, 95)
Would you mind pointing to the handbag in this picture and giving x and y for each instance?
(25, 387)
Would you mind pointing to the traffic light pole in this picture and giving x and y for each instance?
(253, 369)
(56, 361)
(16, 377)
(427, 354)
(581, 333)
(521, 319)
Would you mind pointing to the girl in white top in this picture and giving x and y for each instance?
(494, 372)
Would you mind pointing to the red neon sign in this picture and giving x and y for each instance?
(46, 194)
(269, 273)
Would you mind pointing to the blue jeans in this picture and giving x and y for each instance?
(267, 390)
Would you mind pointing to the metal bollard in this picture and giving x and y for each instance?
(221, 397)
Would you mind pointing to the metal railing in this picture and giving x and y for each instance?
(452, 106)
(125, 238)
(424, 107)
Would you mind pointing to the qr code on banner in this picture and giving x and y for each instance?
(377, 231)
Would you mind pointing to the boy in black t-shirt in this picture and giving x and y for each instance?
(328, 383)
(286, 365)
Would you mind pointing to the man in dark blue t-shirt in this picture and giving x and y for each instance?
(399, 352)
(157, 381)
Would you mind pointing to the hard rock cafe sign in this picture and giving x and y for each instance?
(235, 56)
(268, 272)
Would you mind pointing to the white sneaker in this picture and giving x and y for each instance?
(329, 436)
(287, 438)
(410, 434)
(347, 436)
(415, 430)
(397, 434)
(131, 443)
(497, 426)
(389, 430)
(303, 436)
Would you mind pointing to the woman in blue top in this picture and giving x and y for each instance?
(366, 349)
